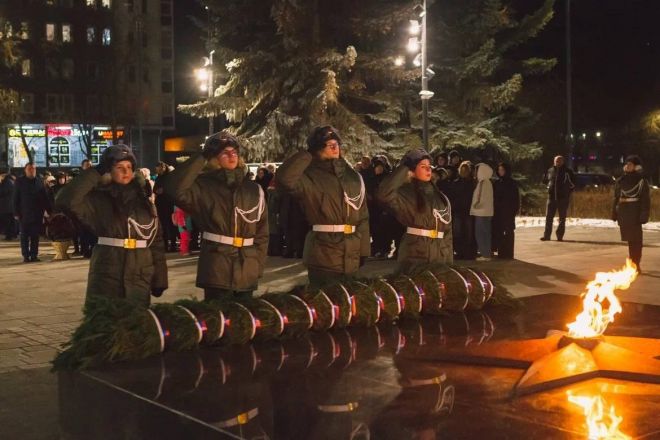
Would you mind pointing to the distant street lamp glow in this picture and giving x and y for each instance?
(584, 135)
(203, 87)
(413, 45)
(598, 134)
(418, 60)
(398, 61)
(414, 27)
(202, 74)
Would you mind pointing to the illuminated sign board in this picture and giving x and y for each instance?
(57, 145)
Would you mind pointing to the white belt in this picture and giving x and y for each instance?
(629, 199)
(240, 419)
(232, 241)
(431, 233)
(338, 408)
(346, 229)
(126, 243)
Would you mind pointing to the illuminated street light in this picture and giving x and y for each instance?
(414, 28)
(202, 74)
(584, 135)
(204, 87)
(598, 134)
(418, 60)
(413, 45)
(399, 61)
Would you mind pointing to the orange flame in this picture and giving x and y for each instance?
(593, 320)
(602, 420)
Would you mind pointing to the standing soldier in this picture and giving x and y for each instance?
(632, 203)
(231, 211)
(332, 196)
(422, 208)
(560, 180)
(129, 258)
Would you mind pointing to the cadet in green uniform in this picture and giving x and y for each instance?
(422, 208)
(632, 205)
(129, 259)
(332, 196)
(231, 212)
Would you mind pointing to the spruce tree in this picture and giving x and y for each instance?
(288, 65)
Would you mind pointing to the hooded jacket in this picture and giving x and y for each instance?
(482, 197)
(211, 197)
(322, 187)
(105, 209)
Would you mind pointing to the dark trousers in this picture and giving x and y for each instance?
(213, 294)
(167, 228)
(635, 252)
(29, 242)
(504, 241)
(465, 246)
(554, 206)
(87, 242)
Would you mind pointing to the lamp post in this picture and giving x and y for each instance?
(419, 47)
(205, 77)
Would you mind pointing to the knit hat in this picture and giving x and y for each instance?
(117, 153)
(413, 157)
(634, 159)
(316, 141)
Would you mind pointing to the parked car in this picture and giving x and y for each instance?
(592, 180)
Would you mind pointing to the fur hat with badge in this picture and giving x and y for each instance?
(117, 153)
(320, 135)
(217, 142)
(414, 157)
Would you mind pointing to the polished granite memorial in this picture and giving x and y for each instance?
(392, 381)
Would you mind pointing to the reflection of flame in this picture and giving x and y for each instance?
(602, 420)
(593, 320)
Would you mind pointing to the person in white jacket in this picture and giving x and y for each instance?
(482, 209)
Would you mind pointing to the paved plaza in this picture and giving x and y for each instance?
(40, 304)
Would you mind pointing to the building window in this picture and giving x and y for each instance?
(166, 53)
(67, 68)
(26, 67)
(166, 86)
(67, 104)
(25, 30)
(91, 34)
(145, 76)
(92, 71)
(144, 6)
(66, 33)
(144, 40)
(129, 5)
(106, 3)
(27, 103)
(92, 105)
(52, 68)
(50, 31)
(107, 37)
(59, 151)
(91, 3)
(165, 8)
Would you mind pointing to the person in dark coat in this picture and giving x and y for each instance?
(231, 211)
(293, 224)
(264, 176)
(31, 201)
(380, 220)
(632, 204)
(460, 195)
(129, 258)
(7, 221)
(455, 160)
(332, 195)
(560, 181)
(165, 206)
(507, 205)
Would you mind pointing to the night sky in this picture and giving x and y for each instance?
(616, 60)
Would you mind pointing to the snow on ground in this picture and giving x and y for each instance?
(531, 222)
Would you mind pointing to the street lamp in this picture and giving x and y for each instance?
(418, 46)
(205, 77)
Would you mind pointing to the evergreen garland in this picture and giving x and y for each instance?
(432, 290)
(342, 304)
(392, 304)
(405, 287)
(181, 329)
(477, 295)
(365, 304)
(456, 286)
(298, 317)
(240, 325)
(268, 320)
(322, 308)
(209, 316)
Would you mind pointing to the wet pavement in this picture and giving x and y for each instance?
(366, 383)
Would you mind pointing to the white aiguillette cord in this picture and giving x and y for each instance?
(152, 227)
(443, 215)
(259, 207)
(357, 201)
